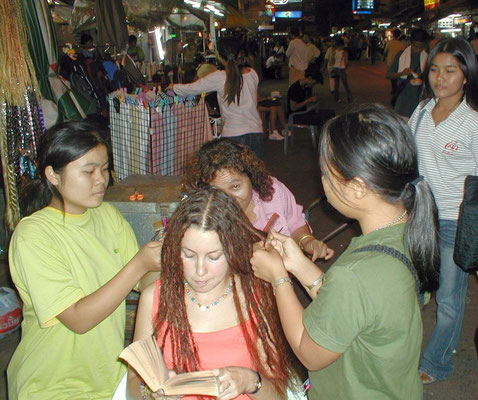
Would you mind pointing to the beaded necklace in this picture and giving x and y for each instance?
(393, 222)
(204, 307)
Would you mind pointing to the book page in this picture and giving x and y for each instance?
(198, 382)
(145, 357)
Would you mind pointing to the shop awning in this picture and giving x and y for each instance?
(111, 23)
(447, 8)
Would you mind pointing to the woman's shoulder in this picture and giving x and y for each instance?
(426, 104)
(217, 76)
(218, 72)
(34, 223)
(278, 186)
(469, 113)
(249, 73)
(370, 249)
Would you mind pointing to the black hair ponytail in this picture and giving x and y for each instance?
(376, 145)
(228, 49)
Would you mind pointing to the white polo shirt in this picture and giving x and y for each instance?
(447, 153)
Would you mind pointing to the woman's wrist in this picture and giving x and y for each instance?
(307, 238)
(258, 384)
(280, 281)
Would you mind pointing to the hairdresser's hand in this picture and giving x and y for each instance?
(234, 381)
(267, 263)
(292, 256)
(149, 256)
(317, 249)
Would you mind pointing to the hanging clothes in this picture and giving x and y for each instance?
(156, 137)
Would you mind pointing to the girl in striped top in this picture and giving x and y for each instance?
(445, 125)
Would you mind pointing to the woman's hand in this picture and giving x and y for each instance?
(317, 249)
(170, 87)
(292, 256)
(234, 381)
(267, 262)
(149, 256)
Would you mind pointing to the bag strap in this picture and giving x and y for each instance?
(420, 117)
(401, 257)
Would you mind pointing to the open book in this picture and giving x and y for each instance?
(145, 357)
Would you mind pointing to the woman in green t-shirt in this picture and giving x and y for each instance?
(73, 259)
(360, 338)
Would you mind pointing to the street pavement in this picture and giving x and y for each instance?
(300, 172)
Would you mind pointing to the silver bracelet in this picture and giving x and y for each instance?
(317, 282)
(279, 282)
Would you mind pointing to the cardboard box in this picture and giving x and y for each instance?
(161, 198)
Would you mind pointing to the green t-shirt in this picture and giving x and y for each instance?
(136, 53)
(367, 310)
(55, 260)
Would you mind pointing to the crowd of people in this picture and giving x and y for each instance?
(217, 292)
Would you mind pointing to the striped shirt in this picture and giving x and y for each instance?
(447, 153)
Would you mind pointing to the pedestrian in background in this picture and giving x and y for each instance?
(297, 53)
(445, 125)
(312, 50)
(408, 67)
(236, 89)
(134, 51)
(340, 58)
(329, 62)
(392, 48)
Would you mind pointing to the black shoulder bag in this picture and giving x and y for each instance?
(466, 240)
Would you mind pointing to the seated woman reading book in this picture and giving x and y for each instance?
(208, 311)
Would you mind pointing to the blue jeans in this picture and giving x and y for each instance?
(341, 75)
(255, 141)
(437, 360)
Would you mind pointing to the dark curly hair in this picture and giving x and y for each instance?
(211, 209)
(219, 154)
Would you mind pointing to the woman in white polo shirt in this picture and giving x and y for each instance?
(237, 96)
(445, 125)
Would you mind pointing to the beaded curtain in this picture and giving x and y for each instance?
(20, 115)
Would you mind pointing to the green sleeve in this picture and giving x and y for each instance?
(42, 275)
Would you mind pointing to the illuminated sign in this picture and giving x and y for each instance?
(431, 4)
(288, 14)
(284, 2)
(462, 20)
(362, 5)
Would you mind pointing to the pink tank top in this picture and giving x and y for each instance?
(218, 349)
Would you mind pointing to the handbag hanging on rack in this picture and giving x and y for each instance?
(466, 241)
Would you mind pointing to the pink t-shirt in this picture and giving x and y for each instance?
(283, 203)
(218, 349)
